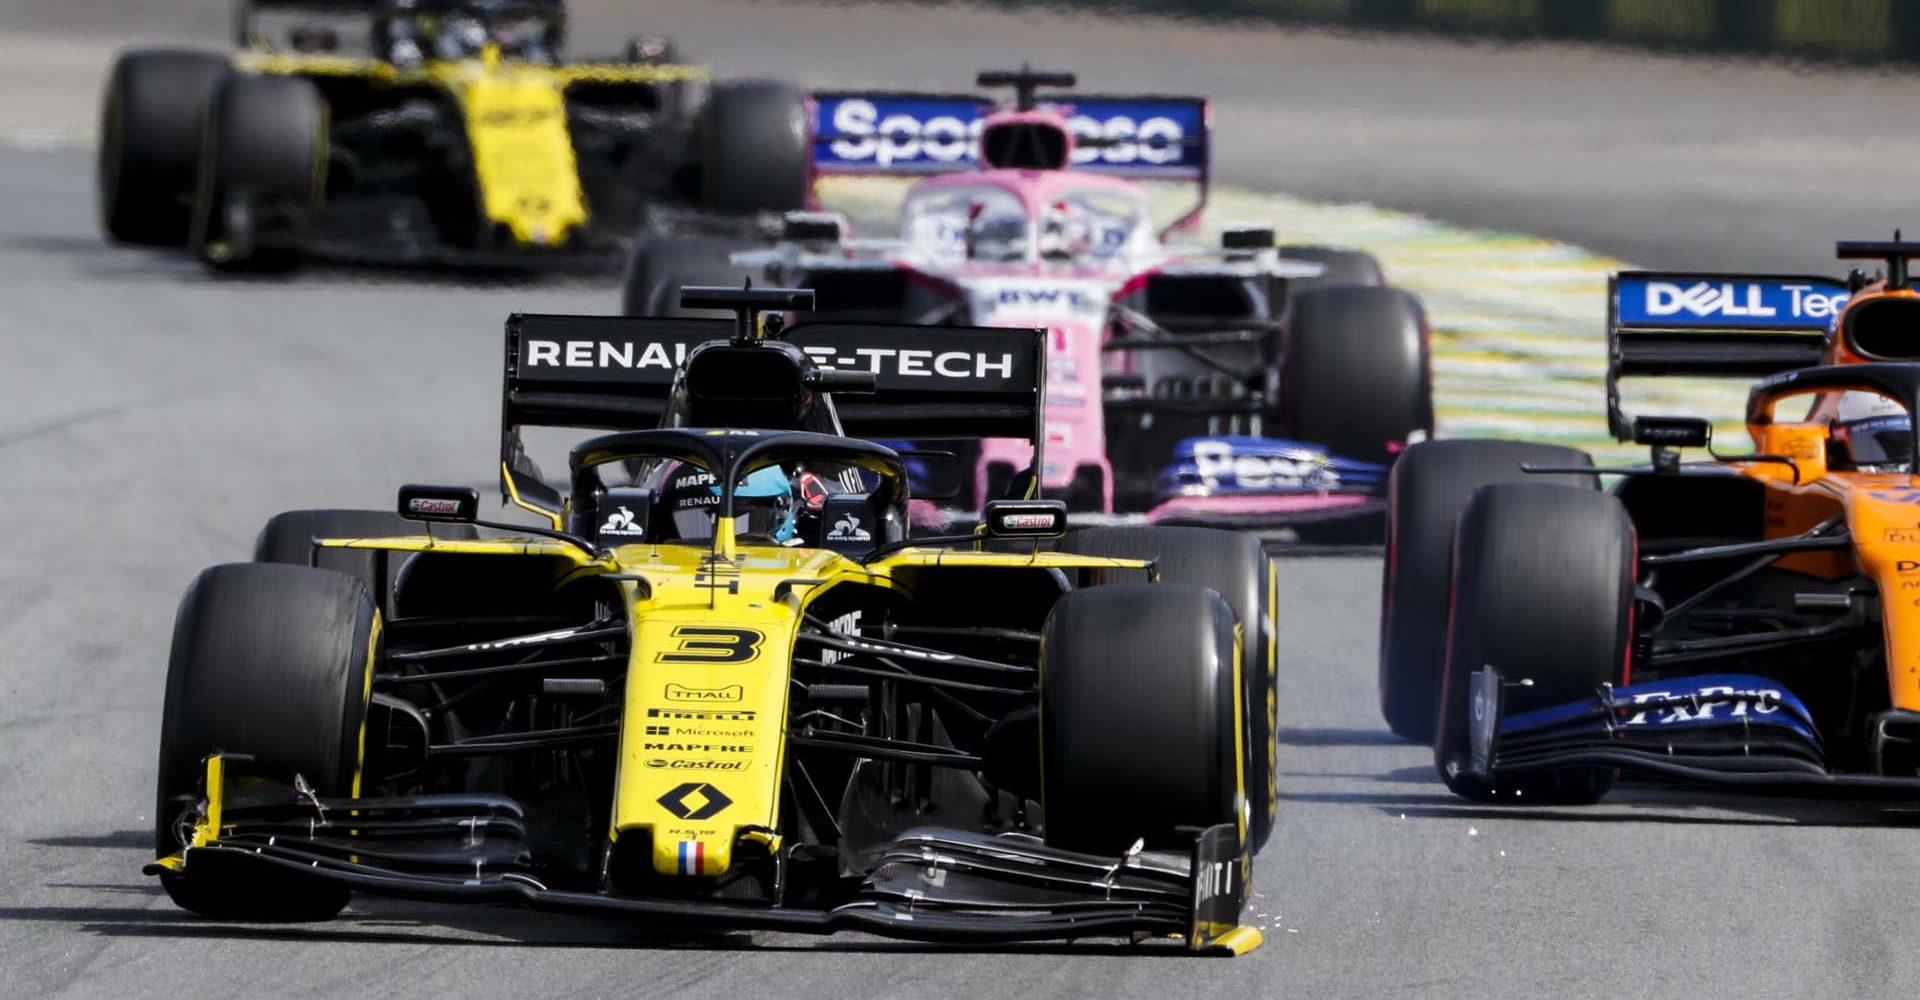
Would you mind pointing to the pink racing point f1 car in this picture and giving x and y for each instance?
(1245, 385)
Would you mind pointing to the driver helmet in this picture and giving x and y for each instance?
(1065, 233)
(996, 236)
(459, 36)
(1876, 431)
(763, 503)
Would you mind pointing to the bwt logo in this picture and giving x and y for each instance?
(1042, 297)
(1730, 301)
(898, 137)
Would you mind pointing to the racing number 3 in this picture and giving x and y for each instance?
(704, 644)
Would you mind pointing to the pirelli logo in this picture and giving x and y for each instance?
(689, 716)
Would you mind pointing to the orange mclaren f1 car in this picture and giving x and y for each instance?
(1747, 620)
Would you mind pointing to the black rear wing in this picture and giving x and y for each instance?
(618, 373)
(246, 12)
(1673, 323)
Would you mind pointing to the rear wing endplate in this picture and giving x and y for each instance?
(1673, 323)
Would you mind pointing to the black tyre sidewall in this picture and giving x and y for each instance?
(1542, 590)
(1427, 489)
(753, 147)
(150, 124)
(1238, 568)
(1356, 376)
(265, 144)
(1137, 716)
(271, 661)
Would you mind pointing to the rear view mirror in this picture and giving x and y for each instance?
(446, 504)
(935, 475)
(1672, 432)
(1026, 518)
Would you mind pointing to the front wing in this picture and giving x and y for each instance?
(933, 885)
(1730, 730)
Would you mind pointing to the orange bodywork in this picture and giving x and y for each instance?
(1882, 511)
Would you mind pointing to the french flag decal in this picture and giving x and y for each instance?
(693, 858)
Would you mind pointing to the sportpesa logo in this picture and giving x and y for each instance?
(909, 133)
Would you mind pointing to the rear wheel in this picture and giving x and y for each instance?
(263, 165)
(1356, 378)
(1339, 267)
(288, 538)
(150, 142)
(1137, 703)
(1429, 486)
(274, 662)
(660, 265)
(1543, 592)
(754, 154)
(1235, 566)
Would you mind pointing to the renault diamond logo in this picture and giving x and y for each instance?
(695, 800)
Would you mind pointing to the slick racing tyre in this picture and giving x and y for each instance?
(1237, 567)
(1340, 267)
(288, 538)
(273, 662)
(263, 159)
(659, 266)
(1428, 488)
(753, 148)
(150, 143)
(1356, 377)
(1543, 592)
(1137, 717)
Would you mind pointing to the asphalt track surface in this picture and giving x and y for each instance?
(152, 418)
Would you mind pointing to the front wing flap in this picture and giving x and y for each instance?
(930, 884)
(1723, 729)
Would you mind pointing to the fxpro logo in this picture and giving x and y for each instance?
(1740, 703)
(901, 137)
(1730, 300)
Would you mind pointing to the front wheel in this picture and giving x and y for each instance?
(274, 662)
(1543, 584)
(263, 160)
(150, 141)
(1238, 569)
(1138, 729)
(1429, 486)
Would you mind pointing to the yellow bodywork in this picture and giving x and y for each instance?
(516, 122)
(703, 740)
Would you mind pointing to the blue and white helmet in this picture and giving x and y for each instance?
(763, 503)
(1877, 432)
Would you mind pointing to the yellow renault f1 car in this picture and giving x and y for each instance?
(719, 684)
(433, 131)
(1750, 620)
